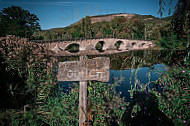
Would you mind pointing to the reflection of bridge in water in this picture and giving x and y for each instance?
(59, 47)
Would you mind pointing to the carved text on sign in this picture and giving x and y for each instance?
(86, 69)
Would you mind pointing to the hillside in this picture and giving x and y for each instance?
(106, 18)
(132, 26)
(109, 17)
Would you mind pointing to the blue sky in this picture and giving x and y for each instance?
(61, 13)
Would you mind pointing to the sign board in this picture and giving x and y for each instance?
(85, 69)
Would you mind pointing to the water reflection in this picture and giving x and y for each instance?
(126, 78)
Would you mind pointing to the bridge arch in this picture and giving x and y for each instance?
(120, 45)
(100, 46)
(142, 44)
(73, 47)
(133, 44)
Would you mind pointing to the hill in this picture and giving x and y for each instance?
(123, 25)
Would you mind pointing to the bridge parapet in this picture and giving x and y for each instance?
(83, 39)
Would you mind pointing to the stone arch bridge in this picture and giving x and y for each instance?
(90, 44)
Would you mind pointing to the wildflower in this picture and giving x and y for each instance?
(184, 121)
(183, 71)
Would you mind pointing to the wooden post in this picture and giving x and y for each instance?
(82, 102)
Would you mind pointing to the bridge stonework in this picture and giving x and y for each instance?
(108, 44)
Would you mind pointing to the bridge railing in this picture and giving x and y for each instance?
(82, 38)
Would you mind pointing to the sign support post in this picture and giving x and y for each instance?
(83, 102)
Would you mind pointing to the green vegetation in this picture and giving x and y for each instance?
(173, 100)
(32, 78)
(17, 21)
(172, 42)
(180, 22)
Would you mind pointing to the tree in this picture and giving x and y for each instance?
(181, 17)
(86, 27)
(19, 22)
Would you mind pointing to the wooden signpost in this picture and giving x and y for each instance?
(84, 70)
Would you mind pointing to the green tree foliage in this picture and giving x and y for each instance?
(171, 42)
(180, 24)
(75, 32)
(16, 21)
(180, 18)
(86, 27)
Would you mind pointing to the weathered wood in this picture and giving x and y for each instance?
(85, 69)
(82, 102)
